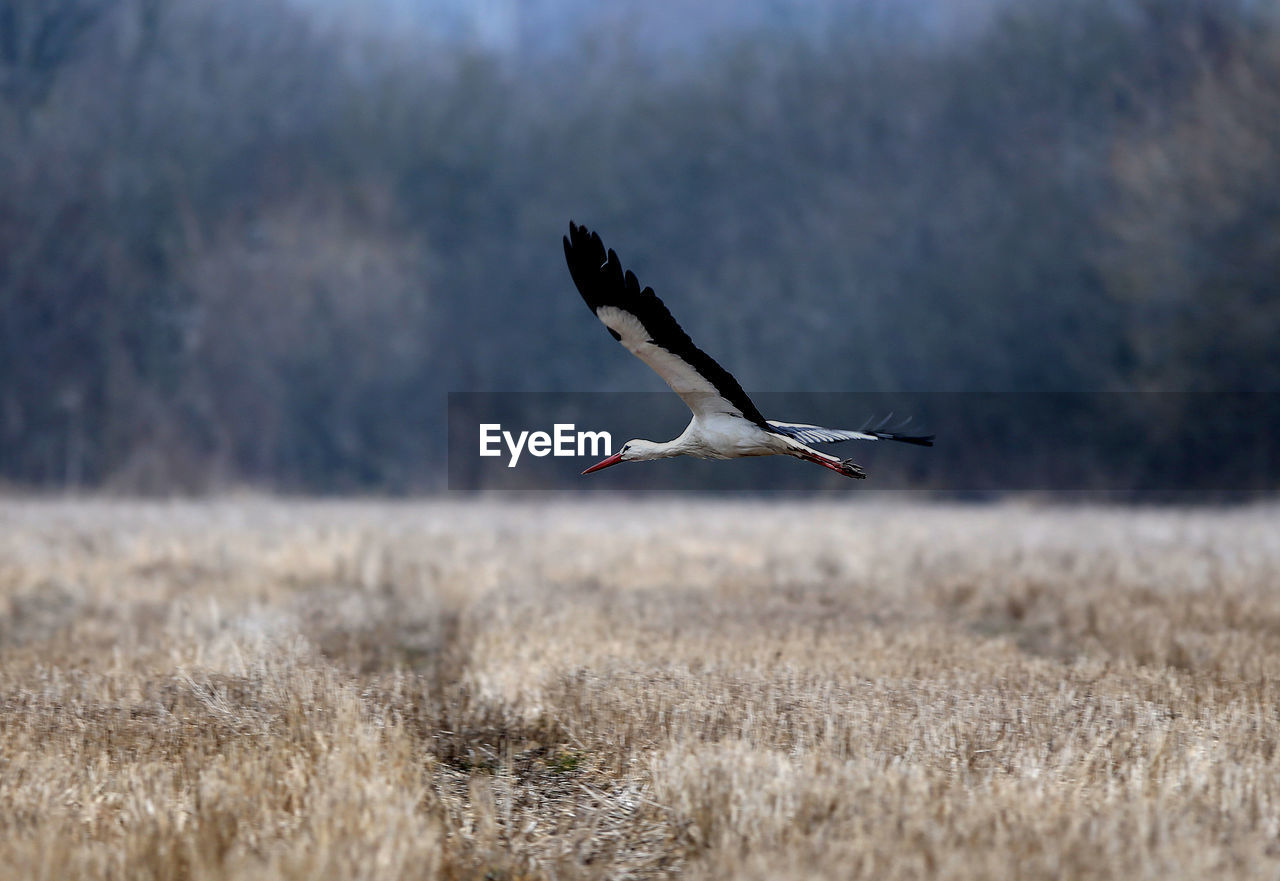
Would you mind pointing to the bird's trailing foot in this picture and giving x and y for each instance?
(849, 468)
(846, 467)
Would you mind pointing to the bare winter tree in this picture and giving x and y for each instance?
(1195, 251)
(39, 39)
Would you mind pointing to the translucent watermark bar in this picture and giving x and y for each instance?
(1132, 444)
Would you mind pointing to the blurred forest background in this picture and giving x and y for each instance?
(258, 241)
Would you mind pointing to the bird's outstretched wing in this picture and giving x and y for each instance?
(816, 434)
(639, 320)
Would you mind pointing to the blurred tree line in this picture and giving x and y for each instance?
(238, 247)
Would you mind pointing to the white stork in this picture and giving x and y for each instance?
(725, 424)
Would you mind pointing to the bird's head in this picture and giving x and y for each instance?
(634, 450)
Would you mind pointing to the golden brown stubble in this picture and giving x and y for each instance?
(267, 689)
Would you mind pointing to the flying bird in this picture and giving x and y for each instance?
(725, 424)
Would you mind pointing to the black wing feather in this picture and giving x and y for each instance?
(599, 277)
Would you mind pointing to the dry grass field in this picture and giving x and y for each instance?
(637, 689)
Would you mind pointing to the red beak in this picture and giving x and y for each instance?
(612, 460)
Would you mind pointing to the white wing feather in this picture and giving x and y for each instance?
(694, 389)
(816, 434)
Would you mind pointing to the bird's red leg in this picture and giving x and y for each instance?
(845, 468)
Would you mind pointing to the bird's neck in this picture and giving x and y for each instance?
(658, 450)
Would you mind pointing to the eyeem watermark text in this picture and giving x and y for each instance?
(563, 440)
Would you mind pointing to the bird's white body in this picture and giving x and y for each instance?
(721, 436)
(726, 436)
